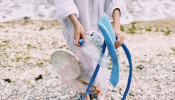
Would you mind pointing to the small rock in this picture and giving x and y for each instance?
(64, 97)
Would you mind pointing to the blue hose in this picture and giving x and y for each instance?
(95, 72)
(110, 39)
(130, 70)
(98, 67)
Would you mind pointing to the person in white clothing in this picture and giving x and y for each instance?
(80, 16)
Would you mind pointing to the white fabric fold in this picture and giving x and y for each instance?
(64, 8)
(116, 4)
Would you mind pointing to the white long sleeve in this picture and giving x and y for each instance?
(113, 4)
(64, 8)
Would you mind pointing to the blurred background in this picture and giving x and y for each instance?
(29, 34)
(138, 10)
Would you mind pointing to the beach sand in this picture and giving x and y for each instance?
(26, 72)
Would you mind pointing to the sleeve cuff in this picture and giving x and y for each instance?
(63, 11)
(114, 5)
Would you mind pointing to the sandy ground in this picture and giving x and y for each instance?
(26, 72)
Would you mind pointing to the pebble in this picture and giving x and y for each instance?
(64, 97)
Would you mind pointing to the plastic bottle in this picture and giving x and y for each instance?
(92, 47)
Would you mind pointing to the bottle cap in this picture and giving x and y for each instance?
(81, 42)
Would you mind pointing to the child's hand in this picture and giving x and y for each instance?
(78, 32)
(78, 29)
(120, 39)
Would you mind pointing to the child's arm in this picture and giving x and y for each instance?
(116, 27)
(78, 29)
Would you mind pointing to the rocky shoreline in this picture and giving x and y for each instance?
(26, 72)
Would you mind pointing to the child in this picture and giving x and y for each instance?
(80, 16)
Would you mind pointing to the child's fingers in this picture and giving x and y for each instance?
(83, 37)
(77, 42)
(118, 42)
